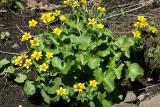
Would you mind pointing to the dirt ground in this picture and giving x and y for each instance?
(11, 94)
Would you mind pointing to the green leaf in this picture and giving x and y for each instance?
(50, 90)
(46, 97)
(104, 53)
(57, 81)
(118, 71)
(67, 50)
(122, 12)
(20, 5)
(94, 63)
(82, 41)
(91, 103)
(124, 43)
(66, 67)
(65, 98)
(101, 96)
(41, 45)
(29, 87)
(99, 75)
(4, 35)
(82, 57)
(106, 103)
(108, 81)
(3, 62)
(56, 62)
(55, 99)
(107, 32)
(112, 64)
(71, 23)
(7, 34)
(20, 78)
(134, 70)
(53, 38)
(127, 53)
(10, 70)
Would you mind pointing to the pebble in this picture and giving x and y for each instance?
(130, 97)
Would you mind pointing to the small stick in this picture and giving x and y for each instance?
(10, 53)
(148, 87)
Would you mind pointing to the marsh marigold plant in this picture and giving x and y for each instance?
(76, 58)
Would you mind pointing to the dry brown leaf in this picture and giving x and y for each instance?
(33, 4)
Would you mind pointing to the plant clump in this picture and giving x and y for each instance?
(78, 58)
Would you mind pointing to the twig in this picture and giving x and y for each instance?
(14, 27)
(126, 12)
(148, 87)
(10, 53)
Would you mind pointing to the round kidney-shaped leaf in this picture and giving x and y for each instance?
(29, 88)
(134, 70)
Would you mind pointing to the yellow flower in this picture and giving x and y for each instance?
(47, 17)
(76, 4)
(66, 1)
(136, 34)
(49, 55)
(62, 18)
(61, 91)
(43, 67)
(93, 83)
(57, 12)
(91, 21)
(79, 87)
(36, 55)
(20, 59)
(57, 31)
(143, 24)
(28, 63)
(35, 42)
(137, 24)
(32, 23)
(83, 1)
(153, 29)
(26, 36)
(101, 9)
(141, 18)
(140, 24)
(100, 26)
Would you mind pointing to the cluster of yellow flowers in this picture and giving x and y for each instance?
(93, 22)
(46, 17)
(75, 3)
(27, 36)
(23, 61)
(20, 60)
(140, 24)
(79, 87)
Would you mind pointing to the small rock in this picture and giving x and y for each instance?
(130, 97)
(141, 97)
(149, 79)
(122, 104)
